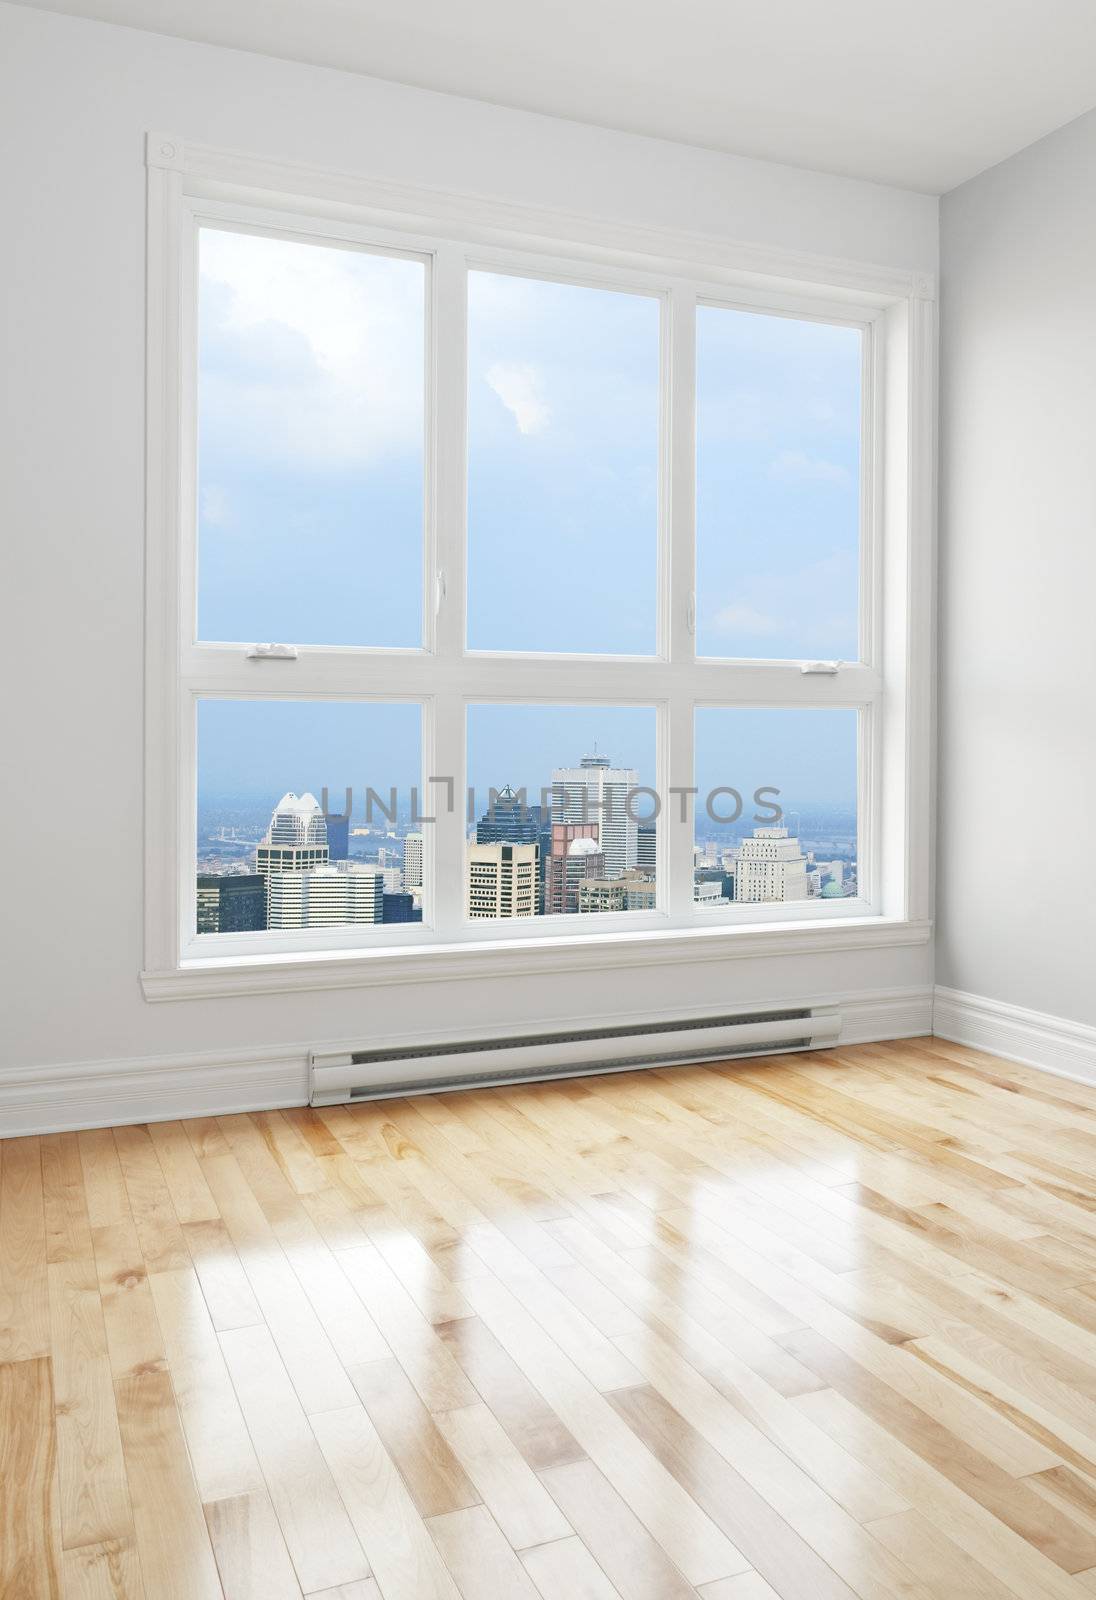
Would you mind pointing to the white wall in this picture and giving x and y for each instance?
(1016, 881)
(75, 100)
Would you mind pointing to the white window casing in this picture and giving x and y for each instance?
(891, 686)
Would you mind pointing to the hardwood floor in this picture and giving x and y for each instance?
(813, 1327)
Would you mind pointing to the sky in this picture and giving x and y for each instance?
(310, 500)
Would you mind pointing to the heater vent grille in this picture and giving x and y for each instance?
(433, 1066)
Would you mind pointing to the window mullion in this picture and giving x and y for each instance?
(681, 499)
(446, 586)
(446, 494)
(675, 842)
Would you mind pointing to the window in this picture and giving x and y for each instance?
(504, 593)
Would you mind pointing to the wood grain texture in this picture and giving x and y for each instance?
(30, 1536)
(818, 1326)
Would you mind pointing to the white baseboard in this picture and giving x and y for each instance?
(1034, 1038)
(96, 1094)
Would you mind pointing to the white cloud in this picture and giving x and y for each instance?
(314, 354)
(796, 466)
(745, 620)
(519, 389)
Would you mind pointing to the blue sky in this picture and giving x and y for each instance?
(311, 507)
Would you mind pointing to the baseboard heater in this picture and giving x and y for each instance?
(337, 1077)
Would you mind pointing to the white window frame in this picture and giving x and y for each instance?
(891, 685)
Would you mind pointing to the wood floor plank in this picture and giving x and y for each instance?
(479, 1557)
(507, 1484)
(614, 1536)
(94, 1496)
(229, 1296)
(24, 1293)
(565, 1570)
(401, 1552)
(945, 1570)
(526, 1418)
(172, 1541)
(162, 1242)
(30, 1542)
(221, 1452)
(750, 1586)
(412, 1437)
(416, 1346)
(134, 1338)
(104, 1185)
(322, 1544)
(107, 1571)
(68, 1233)
(251, 1555)
(190, 1194)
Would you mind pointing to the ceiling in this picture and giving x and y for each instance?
(923, 96)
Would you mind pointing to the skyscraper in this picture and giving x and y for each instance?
(296, 839)
(770, 866)
(412, 861)
(594, 791)
(646, 835)
(231, 903)
(325, 897)
(574, 855)
(338, 838)
(508, 818)
(502, 880)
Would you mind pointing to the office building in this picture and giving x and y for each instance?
(632, 892)
(574, 854)
(508, 818)
(770, 866)
(325, 897)
(296, 840)
(501, 880)
(596, 791)
(412, 861)
(231, 903)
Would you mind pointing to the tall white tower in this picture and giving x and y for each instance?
(296, 840)
(594, 791)
(412, 861)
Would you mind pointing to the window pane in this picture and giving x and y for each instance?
(794, 774)
(778, 486)
(563, 429)
(310, 443)
(556, 822)
(269, 858)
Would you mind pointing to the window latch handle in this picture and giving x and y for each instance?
(271, 652)
(439, 590)
(827, 669)
(690, 614)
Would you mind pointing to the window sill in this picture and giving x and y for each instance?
(446, 963)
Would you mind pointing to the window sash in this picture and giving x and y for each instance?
(444, 676)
